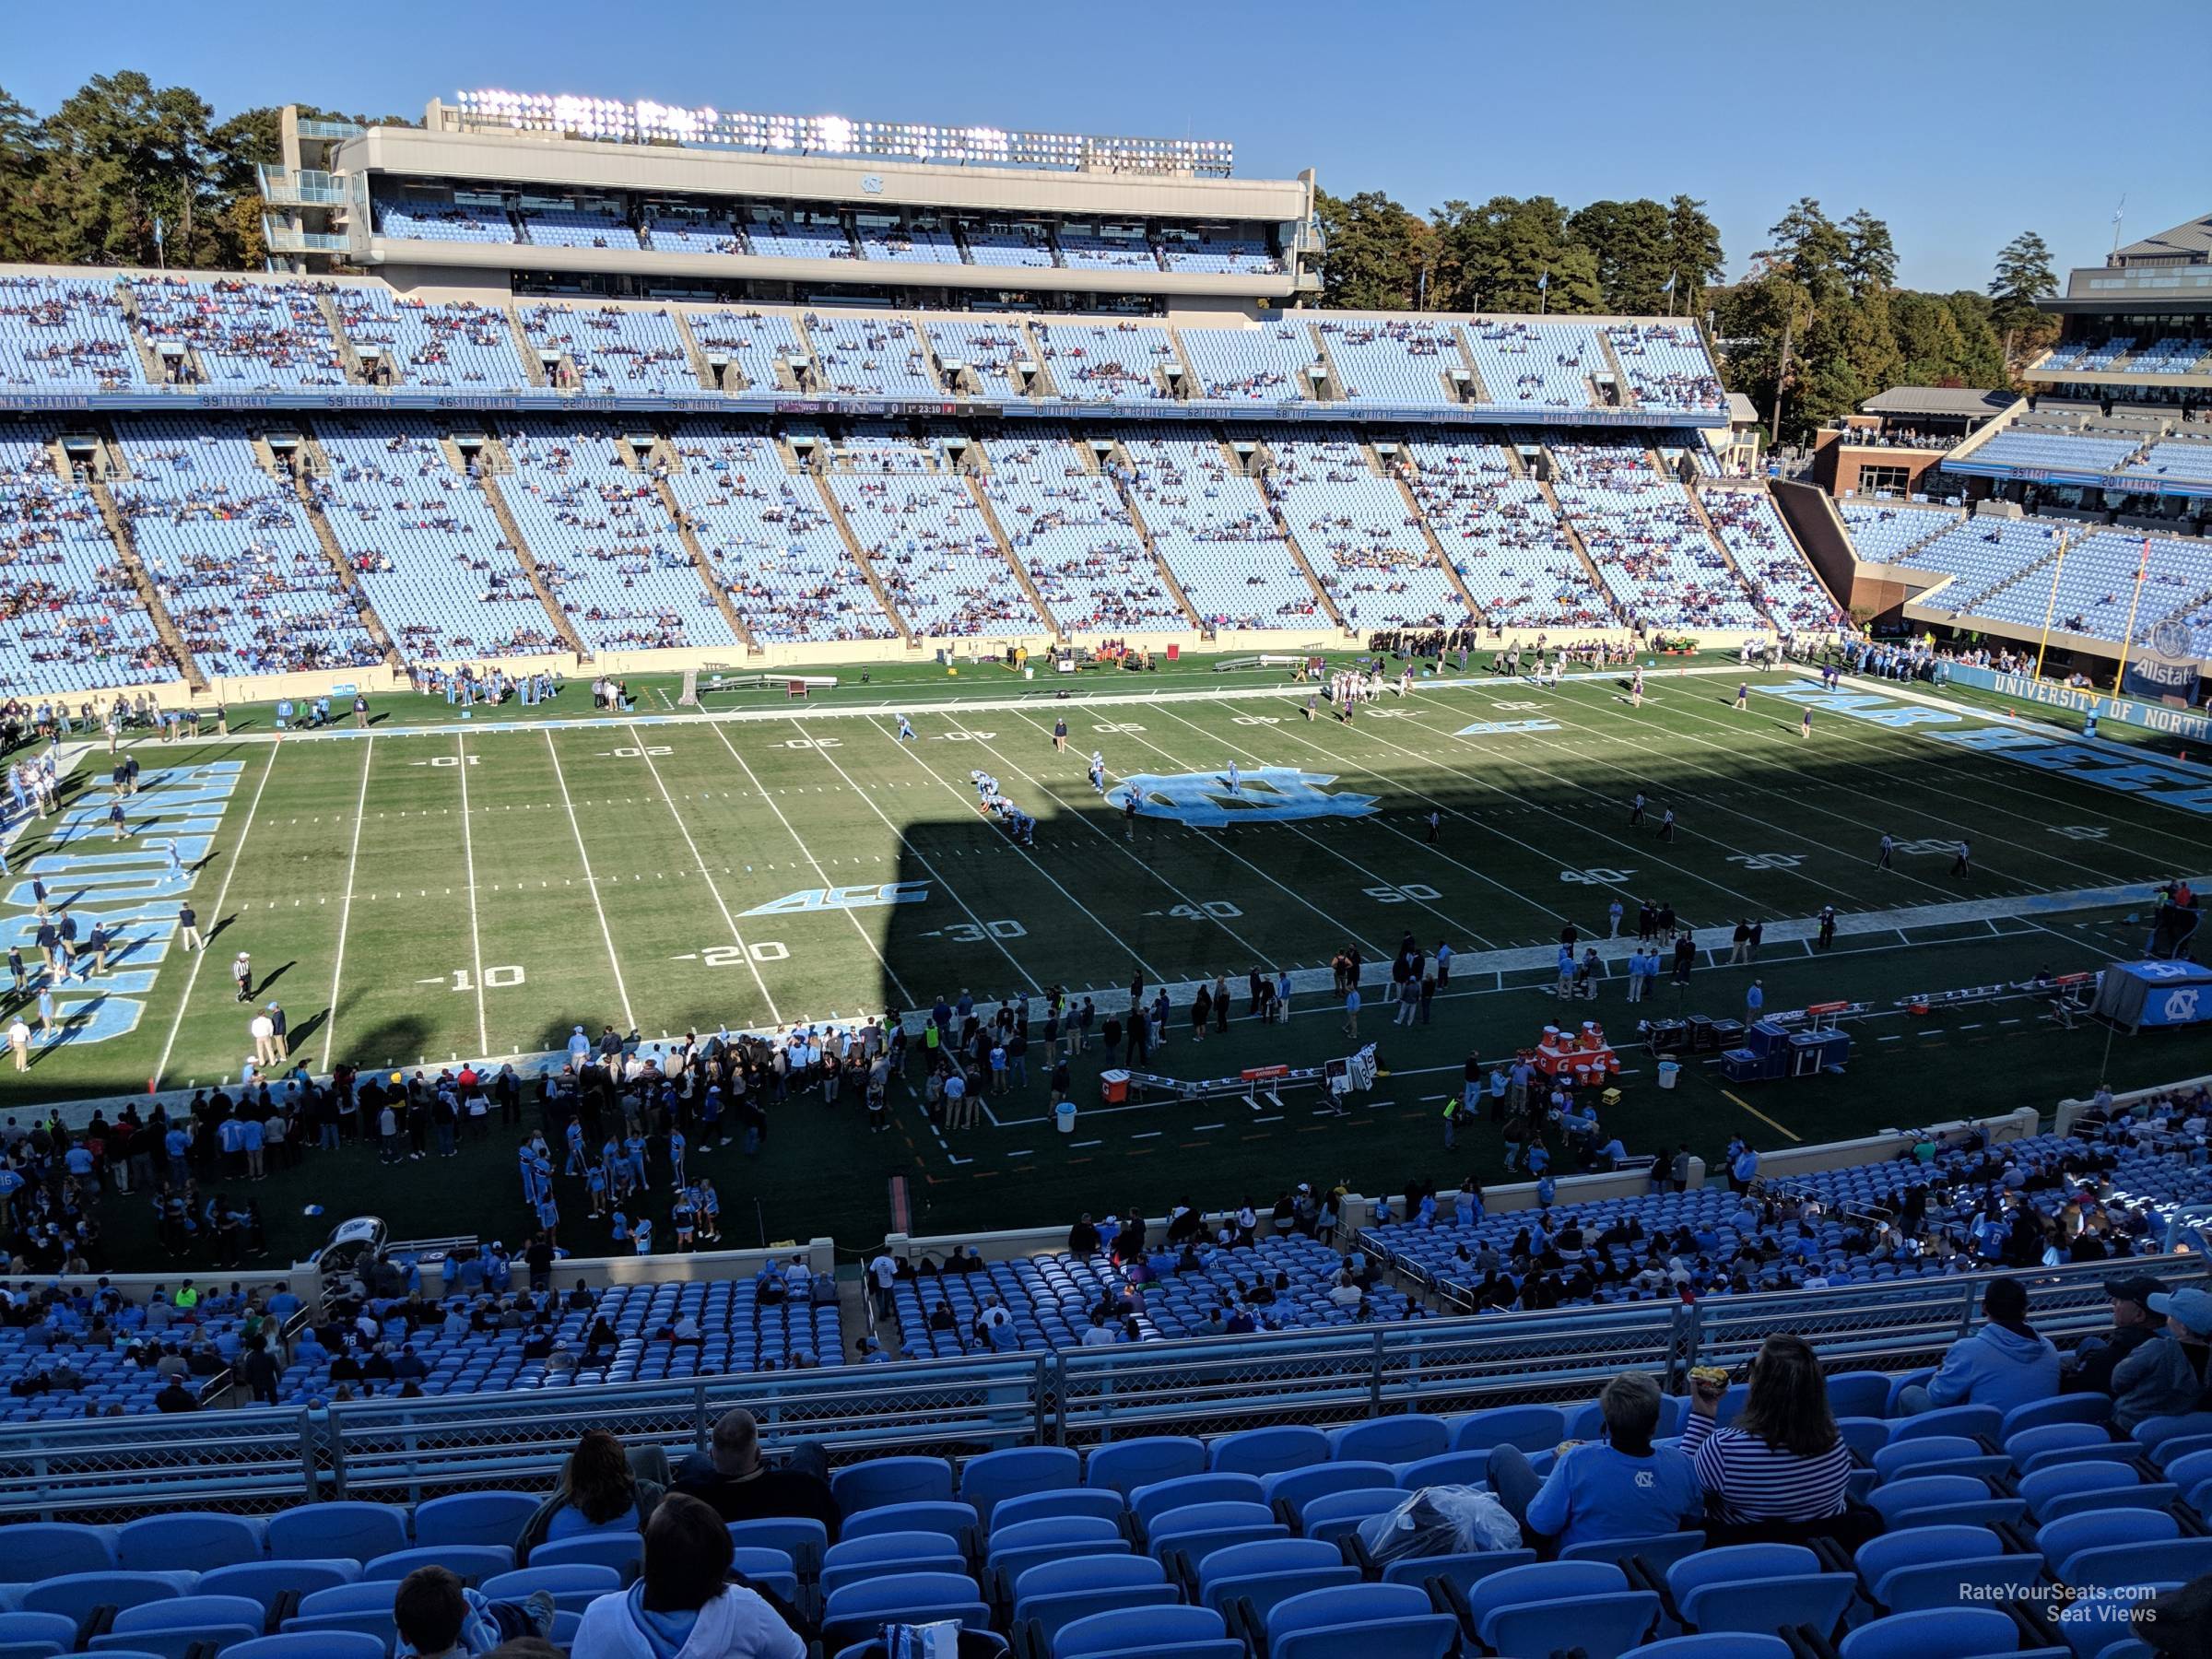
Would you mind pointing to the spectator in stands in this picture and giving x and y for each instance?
(2168, 1376)
(2179, 1623)
(438, 1616)
(1621, 1487)
(2007, 1362)
(1782, 1460)
(683, 1605)
(738, 1486)
(176, 1396)
(598, 1493)
(2089, 1367)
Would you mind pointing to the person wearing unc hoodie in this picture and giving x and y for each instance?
(2006, 1363)
(683, 1605)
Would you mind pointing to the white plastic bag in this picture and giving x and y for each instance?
(1441, 1520)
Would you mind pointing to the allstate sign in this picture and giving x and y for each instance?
(1269, 794)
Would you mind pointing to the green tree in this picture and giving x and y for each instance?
(1811, 249)
(1871, 262)
(1694, 258)
(1631, 246)
(2023, 275)
(1377, 254)
(1511, 255)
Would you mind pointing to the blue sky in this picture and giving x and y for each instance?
(1950, 121)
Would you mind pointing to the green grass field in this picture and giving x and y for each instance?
(437, 888)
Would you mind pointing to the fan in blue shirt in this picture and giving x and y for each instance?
(1621, 1487)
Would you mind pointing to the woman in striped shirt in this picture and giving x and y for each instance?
(1781, 1458)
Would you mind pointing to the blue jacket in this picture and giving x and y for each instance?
(1997, 1367)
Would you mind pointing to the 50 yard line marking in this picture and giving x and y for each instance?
(360, 811)
(629, 1021)
(222, 893)
(476, 940)
(736, 936)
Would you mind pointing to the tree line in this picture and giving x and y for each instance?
(126, 172)
(1818, 316)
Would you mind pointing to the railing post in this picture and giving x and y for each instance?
(700, 1442)
(1374, 1372)
(1966, 1310)
(1039, 1385)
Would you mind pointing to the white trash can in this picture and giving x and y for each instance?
(1064, 1117)
(1668, 1071)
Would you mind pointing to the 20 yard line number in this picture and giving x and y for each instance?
(733, 955)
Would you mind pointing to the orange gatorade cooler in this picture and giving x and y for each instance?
(1114, 1087)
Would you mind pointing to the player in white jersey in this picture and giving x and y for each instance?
(1235, 780)
(906, 732)
(1098, 771)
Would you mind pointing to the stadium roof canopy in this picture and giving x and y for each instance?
(2192, 240)
(1954, 400)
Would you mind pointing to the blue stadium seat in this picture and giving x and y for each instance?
(1942, 1499)
(360, 1596)
(1269, 1451)
(1160, 1497)
(1378, 1621)
(1461, 1571)
(1126, 1466)
(1333, 1514)
(75, 1595)
(2062, 1408)
(1179, 1632)
(1391, 1439)
(1939, 1634)
(1196, 1528)
(620, 1551)
(767, 1570)
(1526, 1610)
(1925, 1566)
(1757, 1588)
(41, 1549)
(804, 1540)
(2112, 1567)
(318, 1644)
(266, 1581)
(175, 1625)
(1938, 1454)
(2037, 1448)
(2159, 1433)
(1724, 1645)
(1100, 1502)
(322, 1531)
(1859, 1394)
(857, 1610)
(1656, 1551)
(883, 1480)
(1073, 1531)
(951, 1520)
(474, 1518)
(1088, 1572)
(1044, 1617)
(1239, 1570)
(467, 1562)
(1975, 1422)
(26, 1633)
(1531, 1428)
(1454, 1468)
(572, 1588)
(364, 1621)
(2060, 1541)
(2065, 1489)
(1015, 1471)
(1299, 1487)
(192, 1541)
(849, 1561)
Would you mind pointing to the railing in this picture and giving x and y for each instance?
(283, 238)
(402, 1450)
(305, 187)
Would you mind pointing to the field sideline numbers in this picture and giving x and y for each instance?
(444, 761)
(1399, 895)
(761, 950)
(495, 979)
(637, 754)
(1217, 910)
(811, 743)
(971, 933)
(1117, 726)
(1597, 876)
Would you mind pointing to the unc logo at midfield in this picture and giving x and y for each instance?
(1268, 794)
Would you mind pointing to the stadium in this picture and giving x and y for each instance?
(789, 886)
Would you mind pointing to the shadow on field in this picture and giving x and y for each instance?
(396, 1043)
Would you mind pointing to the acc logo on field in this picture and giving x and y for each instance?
(817, 900)
(1269, 794)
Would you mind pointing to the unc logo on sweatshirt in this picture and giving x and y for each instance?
(1266, 794)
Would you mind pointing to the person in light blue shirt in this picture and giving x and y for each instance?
(1755, 1002)
(1621, 1487)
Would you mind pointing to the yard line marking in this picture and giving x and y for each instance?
(1077, 1145)
(1022, 851)
(685, 829)
(1263, 874)
(330, 1025)
(1202, 1128)
(1761, 1116)
(476, 940)
(1121, 847)
(1147, 1134)
(614, 961)
(222, 893)
(1253, 755)
(807, 853)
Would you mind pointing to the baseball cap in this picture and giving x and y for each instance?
(2192, 1308)
(2135, 1287)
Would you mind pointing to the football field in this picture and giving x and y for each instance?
(431, 890)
